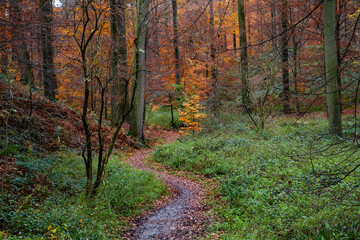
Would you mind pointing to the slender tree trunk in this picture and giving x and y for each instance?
(338, 13)
(4, 63)
(234, 43)
(246, 100)
(101, 156)
(83, 44)
(19, 46)
(176, 43)
(285, 57)
(331, 68)
(46, 37)
(4, 54)
(214, 74)
(139, 70)
(155, 25)
(296, 68)
(119, 88)
(87, 154)
(273, 26)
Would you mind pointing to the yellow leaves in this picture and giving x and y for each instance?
(354, 15)
(154, 107)
(52, 231)
(4, 234)
(190, 115)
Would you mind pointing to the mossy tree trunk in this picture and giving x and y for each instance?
(119, 88)
(285, 57)
(331, 68)
(176, 43)
(46, 39)
(19, 45)
(139, 72)
(244, 60)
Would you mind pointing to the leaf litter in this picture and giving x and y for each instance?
(183, 215)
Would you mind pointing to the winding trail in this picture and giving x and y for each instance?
(182, 216)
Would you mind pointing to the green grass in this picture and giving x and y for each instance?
(58, 208)
(162, 118)
(268, 181)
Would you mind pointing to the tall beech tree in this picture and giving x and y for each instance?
(244, 60)
(139, 71)
(331, 68)
(212, 38)
(119, 88)
(285, 57)
(46, 38)
(19, 44)
(176, 43)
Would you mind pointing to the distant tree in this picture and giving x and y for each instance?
(244, 60)
(214, 74)
(19, 44)
(285, 57)
(331, 68)
(46, 39)
(176, 43)
(215, 102)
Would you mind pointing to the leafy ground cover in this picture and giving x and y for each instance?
(162, 118)
(44, 199)
(42, 174)
(288, 181)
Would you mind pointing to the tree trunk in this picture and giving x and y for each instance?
(295, 72)
(4, 64)
(46, 38)
(234, 43)
(338, 15)
(214, 74)
(273, 27)
(285, 57)
(139, 76)
(246, 101)
(19, 46)
(331, 65)
(176, 43)
(119, 88)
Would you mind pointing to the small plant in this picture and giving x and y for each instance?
(190, 114)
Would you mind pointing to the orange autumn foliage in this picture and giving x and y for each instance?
(190, 114)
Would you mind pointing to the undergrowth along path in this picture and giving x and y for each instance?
(182, 216)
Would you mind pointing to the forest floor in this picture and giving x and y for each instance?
(50, 134)
(181, 215)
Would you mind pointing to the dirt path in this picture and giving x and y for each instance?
(182, 216)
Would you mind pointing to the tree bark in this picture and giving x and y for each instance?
(139, 74)
(234, 43)
(176, 43)
(273, 26)
(119, 88)
(214, 74)
(245, 91)
(19, 46)
(338, 16)
(46, 38)
(285, 57)
(331, 68)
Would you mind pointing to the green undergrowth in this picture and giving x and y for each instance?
(43, 198)
(284, 182)
(162, 118)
